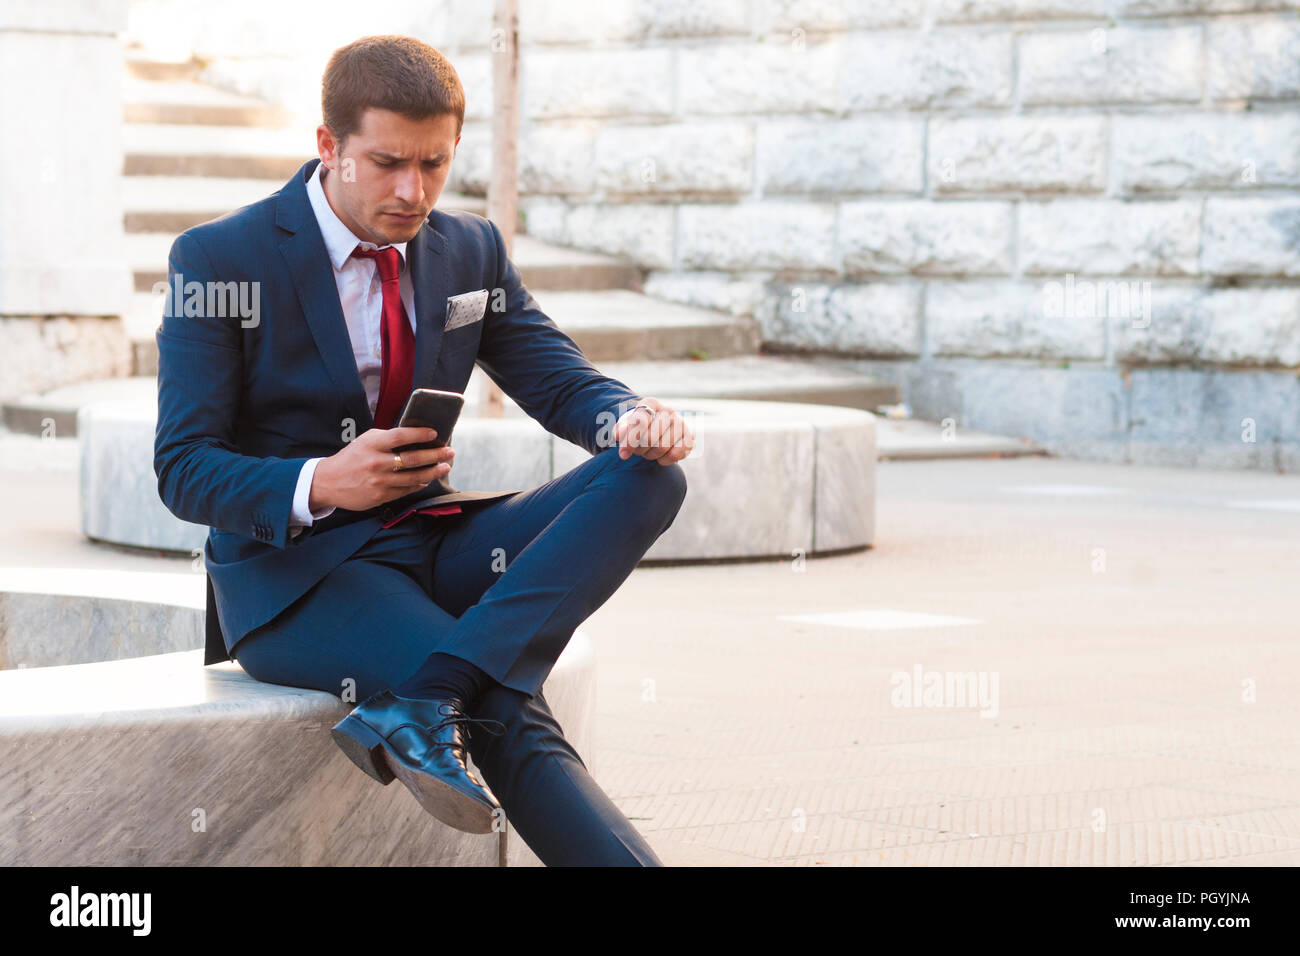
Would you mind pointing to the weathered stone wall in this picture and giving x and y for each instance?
(64, 278)
(1072, 220)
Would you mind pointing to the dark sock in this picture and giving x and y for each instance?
(445, 675)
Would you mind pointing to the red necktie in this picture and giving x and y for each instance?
(399, 357)
(397, 338)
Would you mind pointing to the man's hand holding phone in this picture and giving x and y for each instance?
(361, 475)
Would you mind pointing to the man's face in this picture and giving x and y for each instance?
(388, 174)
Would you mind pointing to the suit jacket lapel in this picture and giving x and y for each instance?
(313, 277)
(431, 280)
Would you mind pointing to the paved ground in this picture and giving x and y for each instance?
(1136, 630)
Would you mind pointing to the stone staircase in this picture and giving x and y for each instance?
(194, 152)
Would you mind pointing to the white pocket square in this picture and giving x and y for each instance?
(465, 308)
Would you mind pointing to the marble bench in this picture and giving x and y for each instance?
(120, 748)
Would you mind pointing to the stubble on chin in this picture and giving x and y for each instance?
(394, 234)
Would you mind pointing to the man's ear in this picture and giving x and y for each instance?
(327, 146)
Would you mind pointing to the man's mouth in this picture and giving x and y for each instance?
(403, 217)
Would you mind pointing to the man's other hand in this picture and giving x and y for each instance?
(658, 433)
(361, 475)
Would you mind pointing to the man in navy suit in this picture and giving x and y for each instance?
(295, 329)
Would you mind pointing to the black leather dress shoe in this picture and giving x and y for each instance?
(421, 743)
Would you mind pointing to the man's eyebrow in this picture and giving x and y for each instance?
(379, 154)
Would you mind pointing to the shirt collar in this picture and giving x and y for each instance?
(339, 239)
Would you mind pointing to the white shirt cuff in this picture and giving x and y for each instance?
(301, 515)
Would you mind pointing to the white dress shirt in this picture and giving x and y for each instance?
(361, 296)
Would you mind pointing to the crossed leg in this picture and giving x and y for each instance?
(566, 546)
(523, 572)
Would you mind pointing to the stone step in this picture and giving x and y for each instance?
(142, 67)
(144, 315)
(610, 325)
(236, 152)
(910, 439)
(549, 268)
(621, 325)
(172, 204)
(781, 378)
(24, 415)
(544, 267)
(185, 102)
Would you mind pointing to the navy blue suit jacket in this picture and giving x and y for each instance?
(241, 409)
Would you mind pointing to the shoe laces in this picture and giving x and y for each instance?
(452, 715)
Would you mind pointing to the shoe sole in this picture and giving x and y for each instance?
(442, 800)
(369, 751)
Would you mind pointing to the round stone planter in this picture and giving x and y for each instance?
(121, 748)
(765, 479)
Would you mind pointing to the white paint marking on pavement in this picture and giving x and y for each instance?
(1066, 491)
(1275, 504)
(880, 619)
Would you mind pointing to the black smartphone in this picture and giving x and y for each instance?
(431, 408)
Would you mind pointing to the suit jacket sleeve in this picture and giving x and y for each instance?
(202, 477)
(542, 369)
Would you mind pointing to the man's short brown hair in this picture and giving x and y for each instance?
(397, 73)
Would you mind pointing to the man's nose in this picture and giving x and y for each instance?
(410, 188)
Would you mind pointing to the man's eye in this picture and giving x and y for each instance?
(385, 165)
